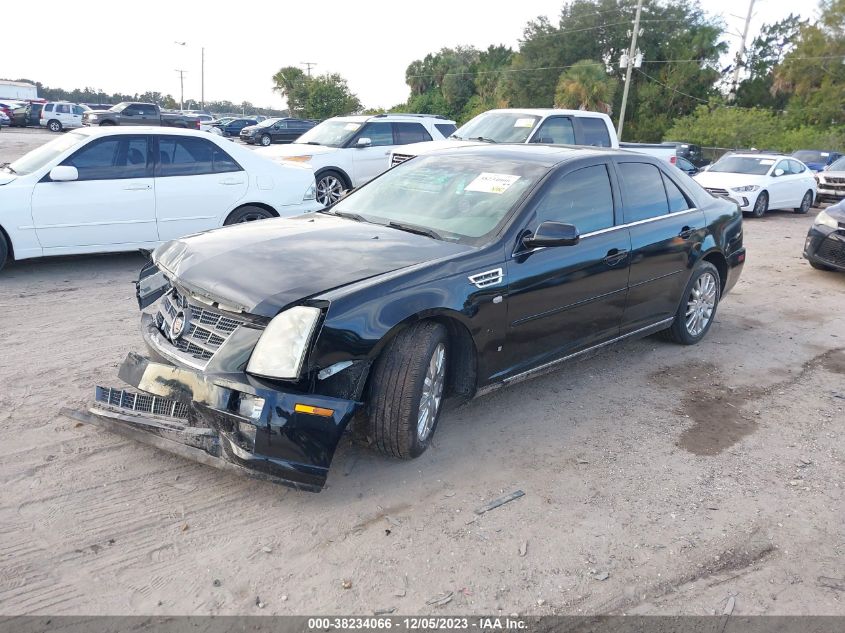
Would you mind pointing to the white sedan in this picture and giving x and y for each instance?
(758, 182)
(98, 190)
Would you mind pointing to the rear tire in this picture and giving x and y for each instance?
(54, 126)
(406, 390)
(266, 140)
(249, 213)
(761, 205)
(698, 306)
(4, 251)
(806, 203)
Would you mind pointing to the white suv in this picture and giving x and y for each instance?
(60, 115)
(348, 151)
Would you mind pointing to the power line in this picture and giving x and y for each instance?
(671, 88)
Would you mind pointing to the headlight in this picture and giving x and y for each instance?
(92, 116)
(297, 159)
(746, 188)
(311, 194)
(825, 219)
(281, 349)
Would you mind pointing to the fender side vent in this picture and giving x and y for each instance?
(487, 278)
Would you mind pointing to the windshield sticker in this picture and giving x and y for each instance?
(524, 123)
(352, 126)
(492, 183)
(767, 161)
(825, 154)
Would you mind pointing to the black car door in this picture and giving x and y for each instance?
(566, 298)
(666, 235)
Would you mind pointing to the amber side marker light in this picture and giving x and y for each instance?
(307, 408)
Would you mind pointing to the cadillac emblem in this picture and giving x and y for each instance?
(177, 329)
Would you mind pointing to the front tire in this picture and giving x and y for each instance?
(806, 203)
(698, 306)
(406, 390)
(330, 188)
(249, 213)
(761, 205)
(54, 126)
(266, 140)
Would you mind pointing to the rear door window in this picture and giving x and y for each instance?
(48, 107)
(188, 156)
(556, 130)
(404, 133)
(594, 132)
(583, 198)
(676, 198)
(63, 108)
(446, 129)
(643, 194)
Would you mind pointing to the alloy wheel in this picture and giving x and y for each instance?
(265, 140)
(432, 392)
(329, 190)
(701, 304)
(806, 202)
(252, 216)
(760, 204)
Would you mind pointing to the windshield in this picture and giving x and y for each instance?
(743, 165)
(332, 133)
(501, 127)
(837, 165)
(120, 107)
(459, 198)
(811, 156)
(267, 122)
(38, 158)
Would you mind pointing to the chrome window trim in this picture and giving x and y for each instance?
(614, 228)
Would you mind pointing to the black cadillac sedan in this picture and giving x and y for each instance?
(824, 247)
(448, 276)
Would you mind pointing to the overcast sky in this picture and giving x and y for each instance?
(370, 42)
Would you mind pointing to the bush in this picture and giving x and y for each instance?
(730, 127)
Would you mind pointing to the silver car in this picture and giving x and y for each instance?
(832, 182)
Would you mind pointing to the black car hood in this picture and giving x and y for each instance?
(261, 267)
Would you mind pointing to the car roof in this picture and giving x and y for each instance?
(139, 129)
(547, 155)
(549, 111)
(771, 156)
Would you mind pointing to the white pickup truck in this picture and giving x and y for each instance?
(535, 125)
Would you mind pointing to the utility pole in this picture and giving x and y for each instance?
(308, 66)
(632, 53)
(181, 87)
(202, 80)
(740, 56)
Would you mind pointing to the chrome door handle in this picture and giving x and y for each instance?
(137, 187)
(686, 232)
(615, 255)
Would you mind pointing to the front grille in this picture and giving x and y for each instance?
(832, 250)
(836, 181)
(396, 159)
(141, 402)
(716, 192)
(206, 329)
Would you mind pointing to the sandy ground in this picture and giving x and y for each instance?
(658, 479)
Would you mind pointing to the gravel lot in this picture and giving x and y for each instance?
(657, 478)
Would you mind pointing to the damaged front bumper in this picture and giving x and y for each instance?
(228, 420)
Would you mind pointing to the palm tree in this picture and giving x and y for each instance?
(586, 86)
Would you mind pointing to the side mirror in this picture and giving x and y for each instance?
(363, 142)
(64, 173)
(778, 172)
(553, 234)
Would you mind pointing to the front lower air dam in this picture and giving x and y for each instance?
(230, 421)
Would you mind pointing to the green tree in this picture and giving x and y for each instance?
(292, 83)
(328, 96)
(586, 86)
(813, 72)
